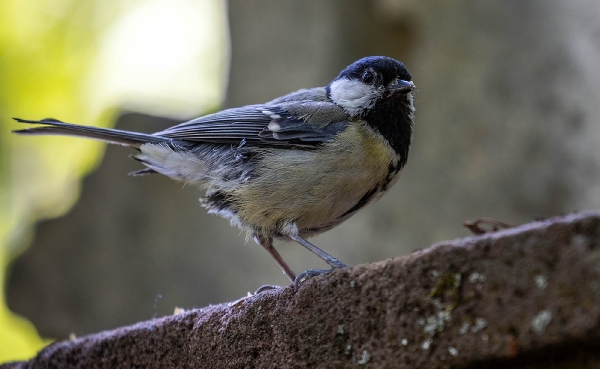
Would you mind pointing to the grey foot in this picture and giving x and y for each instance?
(313, 273)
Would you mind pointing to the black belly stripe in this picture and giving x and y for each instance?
(393, 169)
(363, 201)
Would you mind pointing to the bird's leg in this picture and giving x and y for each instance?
(267, 243)
(335, 263)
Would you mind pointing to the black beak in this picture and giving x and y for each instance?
(401, 86)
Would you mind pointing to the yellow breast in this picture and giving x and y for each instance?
(313, 188)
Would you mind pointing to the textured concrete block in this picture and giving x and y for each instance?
(525, 297)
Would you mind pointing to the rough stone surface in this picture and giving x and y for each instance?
(526, 297)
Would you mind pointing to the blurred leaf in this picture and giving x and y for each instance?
(46, 51)
(57, 59)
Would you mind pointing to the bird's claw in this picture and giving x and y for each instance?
(266, 287)
(313, 273)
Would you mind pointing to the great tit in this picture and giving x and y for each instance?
(291, 168)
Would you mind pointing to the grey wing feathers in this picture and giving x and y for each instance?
(309, 94)
(301, 119)
(307, 121)
(227, 126)
(293, 123)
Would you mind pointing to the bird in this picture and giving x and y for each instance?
(291, 168)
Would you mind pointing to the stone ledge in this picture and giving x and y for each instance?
(524, 297)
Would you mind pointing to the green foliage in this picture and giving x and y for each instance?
(54, 62)
(46, 52)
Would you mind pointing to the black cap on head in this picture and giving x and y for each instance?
(388, 68)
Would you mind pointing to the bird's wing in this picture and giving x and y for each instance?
(304, 123)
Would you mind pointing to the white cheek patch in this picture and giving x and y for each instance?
(352, 95)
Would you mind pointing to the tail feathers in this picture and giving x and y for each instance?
(50, 126)
(141, 172)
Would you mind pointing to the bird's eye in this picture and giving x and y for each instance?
(368, 77)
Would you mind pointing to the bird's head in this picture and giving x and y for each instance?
(366, 83)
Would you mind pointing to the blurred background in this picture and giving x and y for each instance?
(507, 126)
